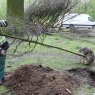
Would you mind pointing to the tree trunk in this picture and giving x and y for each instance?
(15, 14)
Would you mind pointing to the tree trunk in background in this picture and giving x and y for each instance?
(15, 15)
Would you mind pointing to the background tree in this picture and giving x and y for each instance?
(2, 9)
(86, 6)
(91, 8)
(15, 14)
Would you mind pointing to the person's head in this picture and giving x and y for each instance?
(3, 23)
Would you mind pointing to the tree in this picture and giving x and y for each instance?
(44, 13)
(48, 9)
(36, 12)
(91, 8)
(15, 14)
(86, 6)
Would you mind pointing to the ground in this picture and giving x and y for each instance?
(37, 80)
(42, 80)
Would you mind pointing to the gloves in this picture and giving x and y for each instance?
(2, 52)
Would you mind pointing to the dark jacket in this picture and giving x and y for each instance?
(5, 46)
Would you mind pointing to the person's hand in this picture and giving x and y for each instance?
(3, 52)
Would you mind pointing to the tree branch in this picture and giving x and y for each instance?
(31, 41)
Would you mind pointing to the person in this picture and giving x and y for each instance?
(4, 45)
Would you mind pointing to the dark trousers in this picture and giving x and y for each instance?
(2, 65)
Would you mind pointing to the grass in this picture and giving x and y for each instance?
(53, 58)
(85, 90)
(50, 55)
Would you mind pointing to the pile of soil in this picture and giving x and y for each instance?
(37, 80)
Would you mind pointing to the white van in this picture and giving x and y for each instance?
(77, 20)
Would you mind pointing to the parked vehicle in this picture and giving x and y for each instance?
(77, 20)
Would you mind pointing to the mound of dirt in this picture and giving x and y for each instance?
(37, 80)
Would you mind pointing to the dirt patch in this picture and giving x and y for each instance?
(84, 73)
(37, 80)
(76, 34)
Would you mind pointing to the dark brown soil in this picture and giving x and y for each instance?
(37, 80)
(84, 73)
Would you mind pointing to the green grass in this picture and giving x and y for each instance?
(85, 90)
(50, 53)
(53, 58)
(49, 57)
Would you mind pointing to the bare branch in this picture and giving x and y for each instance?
(31, 41)
(18, 46)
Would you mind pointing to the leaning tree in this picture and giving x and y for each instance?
(35, 18)
(46, 12)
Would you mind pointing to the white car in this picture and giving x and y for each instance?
(77, 20)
